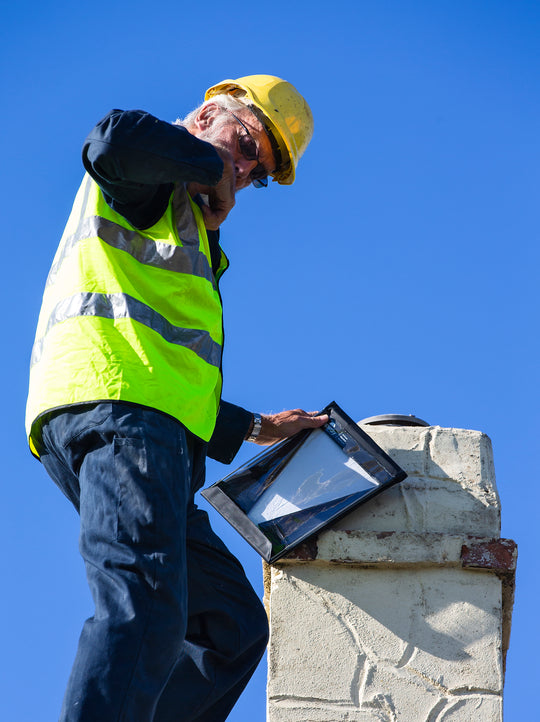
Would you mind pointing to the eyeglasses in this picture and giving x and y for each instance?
(250, 151)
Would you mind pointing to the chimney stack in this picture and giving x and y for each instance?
(401, 612)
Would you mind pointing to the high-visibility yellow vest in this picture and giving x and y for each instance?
(130, 315)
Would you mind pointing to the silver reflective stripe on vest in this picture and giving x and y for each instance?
(121, 305)
(186, 225)
(179, 259)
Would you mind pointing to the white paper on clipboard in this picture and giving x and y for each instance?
(320, 474)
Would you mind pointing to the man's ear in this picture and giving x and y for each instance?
(206, 116)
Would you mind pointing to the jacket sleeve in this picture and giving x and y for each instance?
(232, 426)
(136, 159)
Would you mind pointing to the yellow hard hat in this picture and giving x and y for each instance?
(282, 110)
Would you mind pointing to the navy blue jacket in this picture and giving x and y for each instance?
(136, 159)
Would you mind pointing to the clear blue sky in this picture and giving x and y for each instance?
(398, 275)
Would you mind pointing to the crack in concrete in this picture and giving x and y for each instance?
(436, 710)
(471, 691)
(407, 655)
(383, 702)
(428, 680)
(291, 701)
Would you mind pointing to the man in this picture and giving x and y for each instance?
(125, 388)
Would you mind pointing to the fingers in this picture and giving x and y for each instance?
(317, 419)
(214, 217)
(221, 197)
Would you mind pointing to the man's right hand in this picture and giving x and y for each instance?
(221, 197)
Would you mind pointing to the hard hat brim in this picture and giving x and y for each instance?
(264, 94)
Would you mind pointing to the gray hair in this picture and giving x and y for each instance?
(223, 100)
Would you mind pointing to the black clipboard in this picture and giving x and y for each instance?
(301, 485)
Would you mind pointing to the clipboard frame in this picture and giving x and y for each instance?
(355, 443)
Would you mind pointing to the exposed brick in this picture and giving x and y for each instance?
(499, 555)
(306, 552)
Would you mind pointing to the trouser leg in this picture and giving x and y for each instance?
(133, 475)
(226, 635)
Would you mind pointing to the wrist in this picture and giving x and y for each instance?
(255, 428)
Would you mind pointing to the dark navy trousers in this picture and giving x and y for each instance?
(177, 630)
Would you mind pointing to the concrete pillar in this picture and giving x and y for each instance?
(402, 611)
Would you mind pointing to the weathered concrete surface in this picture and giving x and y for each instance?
(396, 614)
(450, 485)
(373, 640)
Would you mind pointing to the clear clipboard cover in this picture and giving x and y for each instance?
(301, 485)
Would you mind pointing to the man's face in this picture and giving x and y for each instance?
(239, 133)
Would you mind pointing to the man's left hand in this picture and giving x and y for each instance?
(279, 426)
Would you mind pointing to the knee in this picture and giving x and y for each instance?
(236, 632)
(256, 630)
